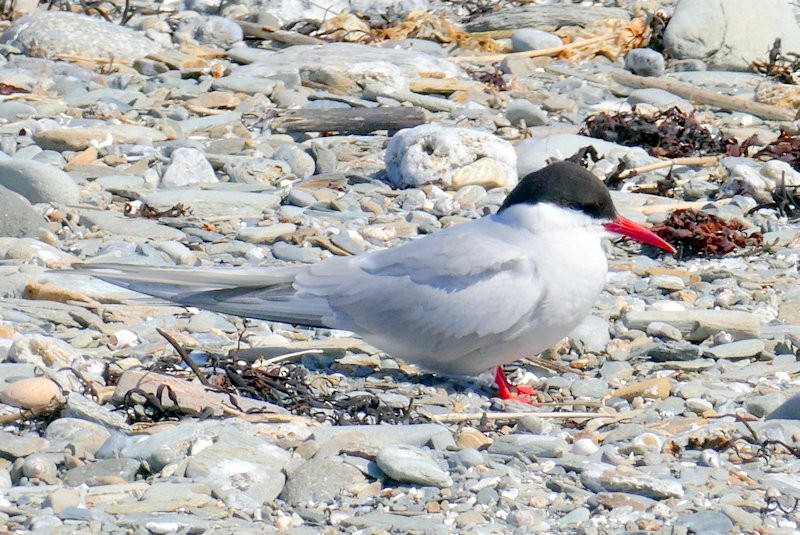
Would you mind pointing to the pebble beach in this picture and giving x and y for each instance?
(274, 132)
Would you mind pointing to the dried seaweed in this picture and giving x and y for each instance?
(137, 209)
(702, 234)
(668, 134)
(7, 89)
(785, 148)
(785, 199)
(658, 25)
(784, 68)
(289, 386)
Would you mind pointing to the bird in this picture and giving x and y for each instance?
(460, 301)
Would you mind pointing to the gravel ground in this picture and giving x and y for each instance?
(185, 138)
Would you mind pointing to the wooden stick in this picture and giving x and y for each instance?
(89, 59)
(536, 53)
(706, 96)
(651, 209)
(350, 120)
(251, 29)
(270, 418)
(703, 161)
(454, 418)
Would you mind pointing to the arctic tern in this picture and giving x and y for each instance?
(459, 301)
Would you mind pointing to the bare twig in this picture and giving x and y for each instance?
(703, 161)
(454, 418)
(554, 51)
(188, 361)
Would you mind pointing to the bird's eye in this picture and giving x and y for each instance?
(575, 206)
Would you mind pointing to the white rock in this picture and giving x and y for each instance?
(433, 153)
(188, 166)
(730, 34)
(757, 181)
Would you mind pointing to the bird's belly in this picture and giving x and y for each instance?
(569, 298)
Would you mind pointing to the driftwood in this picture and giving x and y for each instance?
(556, 50)
(544, 17)
(350, 120)
(259, 31)
(706, 96)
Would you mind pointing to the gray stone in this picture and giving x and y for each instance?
(789, 410)
(17, 218)
(168, 446)
(664, 330)
(706, 522)
(244, 470)
(267, 234)
(321, 480)
(49, 34)
(16, 446)
(530, 445)
(525, 39)
(408, 464)
(592, 334)
(470, 457)
(83, 436)
(14, 110)
(205, 321)
(79, 406)
(632, 482)
(301, 163)
(589, 388)
(645, 62)
(211, 203)
(100, 470)
(576, 517)
(118, 224)
(730, 34)
(38, 182)
(397, 524)
(669, 351)
(418, 435)
(613, 370)
(659, 98)
(762, 405)
(293, 253)
(519, 110)
(737, 350)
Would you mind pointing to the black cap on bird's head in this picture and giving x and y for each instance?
(570, 186)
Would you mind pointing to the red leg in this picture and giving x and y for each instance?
(508, 391)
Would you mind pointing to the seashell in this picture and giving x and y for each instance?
(649, 441)
(122, 339)
(40, 467)
(34, 393)
(584, 446)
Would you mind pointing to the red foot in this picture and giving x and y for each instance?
(506, 390)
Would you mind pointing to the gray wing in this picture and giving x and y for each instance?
(440, 297)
